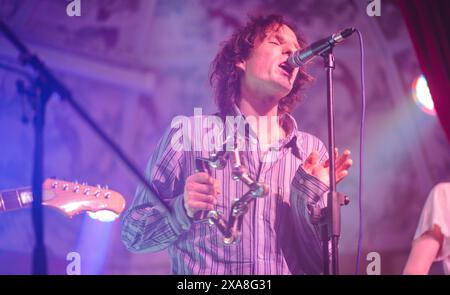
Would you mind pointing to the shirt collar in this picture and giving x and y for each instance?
(288, 124)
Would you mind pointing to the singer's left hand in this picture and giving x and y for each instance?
(321, 170)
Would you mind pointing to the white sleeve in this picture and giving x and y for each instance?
(436, 211)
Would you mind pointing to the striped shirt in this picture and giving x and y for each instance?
(278, 235)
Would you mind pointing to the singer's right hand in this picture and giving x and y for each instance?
(200, 193)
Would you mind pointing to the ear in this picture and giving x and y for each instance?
(242, 65)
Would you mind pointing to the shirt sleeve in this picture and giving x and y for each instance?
(308, 195)
(146, 226)
(436, 213)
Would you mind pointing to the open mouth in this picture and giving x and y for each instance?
(286, 68)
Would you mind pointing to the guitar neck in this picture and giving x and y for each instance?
(15, 199)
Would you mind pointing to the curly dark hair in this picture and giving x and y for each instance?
(225, 76)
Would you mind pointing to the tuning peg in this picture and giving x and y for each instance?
(65, 186)
(54, 184)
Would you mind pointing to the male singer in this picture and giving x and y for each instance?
(251, 78)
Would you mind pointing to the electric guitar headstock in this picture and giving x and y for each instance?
(68, 197)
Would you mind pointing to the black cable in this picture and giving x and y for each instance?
(361, 150)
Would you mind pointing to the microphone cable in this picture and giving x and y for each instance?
(361, 149)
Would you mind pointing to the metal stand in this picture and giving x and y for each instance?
(331, 215)
(39, 251)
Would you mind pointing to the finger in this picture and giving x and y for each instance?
(342, 159)
(345, 166)
(327, 162)
(341, 163)
(311, 161)
(217, 187)
(205, 198)
(341, 175)
(312, 158)
(201, 177)
(198, 205)
(199, 188)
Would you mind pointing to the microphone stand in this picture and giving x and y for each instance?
(46, 84)
(331, 215)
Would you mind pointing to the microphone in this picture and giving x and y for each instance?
(302, 56)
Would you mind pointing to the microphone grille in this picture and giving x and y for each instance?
(294, 60)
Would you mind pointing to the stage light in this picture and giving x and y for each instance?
(103, 215)
(422, 95)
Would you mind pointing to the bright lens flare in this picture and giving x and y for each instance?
(103, 215)
(422, 95)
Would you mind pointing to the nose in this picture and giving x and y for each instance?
(288, 50)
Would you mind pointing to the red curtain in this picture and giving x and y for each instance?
(428, 24)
